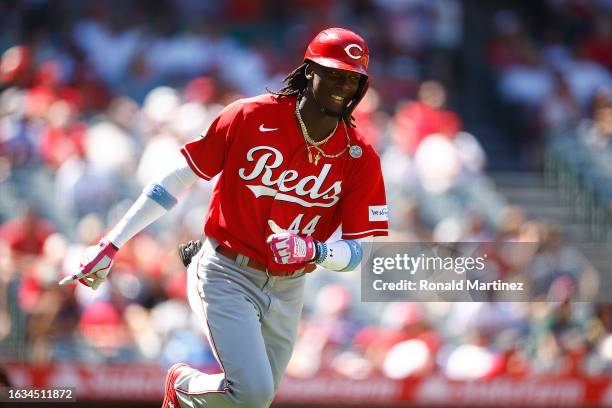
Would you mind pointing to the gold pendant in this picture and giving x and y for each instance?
(309, 155)
(317, 157)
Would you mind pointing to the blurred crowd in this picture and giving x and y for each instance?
(96, 98)
(553, 65)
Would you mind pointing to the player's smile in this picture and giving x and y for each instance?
(337, 98)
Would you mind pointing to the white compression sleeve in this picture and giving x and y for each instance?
(340, 256)
(156, 199)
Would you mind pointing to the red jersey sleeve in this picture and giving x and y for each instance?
(364, 207)
(206, 156)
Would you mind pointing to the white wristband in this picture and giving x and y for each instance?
(340, 256)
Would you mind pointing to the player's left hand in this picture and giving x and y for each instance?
(289, 248)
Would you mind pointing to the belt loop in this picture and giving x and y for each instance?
(242, 261)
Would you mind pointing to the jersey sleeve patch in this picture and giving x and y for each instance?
(378, 213)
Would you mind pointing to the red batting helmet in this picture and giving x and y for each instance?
(339, 48)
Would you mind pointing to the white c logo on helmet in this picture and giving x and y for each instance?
(348, 49)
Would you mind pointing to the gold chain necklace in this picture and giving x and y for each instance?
(307, 135)
(314, 144)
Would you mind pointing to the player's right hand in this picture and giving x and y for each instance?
(289, 248)
(96, 262)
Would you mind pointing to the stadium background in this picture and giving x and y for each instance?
(494, 123)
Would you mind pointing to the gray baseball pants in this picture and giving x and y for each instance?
(251, 321)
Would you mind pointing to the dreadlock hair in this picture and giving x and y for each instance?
(296, 85)
(296, 82)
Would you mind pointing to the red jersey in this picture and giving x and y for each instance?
(257, 146)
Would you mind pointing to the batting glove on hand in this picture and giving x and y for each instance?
(96, 262)
(289, 248)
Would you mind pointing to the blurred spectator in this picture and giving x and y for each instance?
(585, 77)
(15, 67)
(560, 345)
(558, 73)
(475, 231)
(437, 163)
(26, 235)
(102, 327)
(109, 149)
(528, 82)
(430, 159)
(63, 137)
(372, 122)
(600, 332)
(505, 48)
(108, 42)
(417, 120)
(560, 110)
(555, 260)
(18, 130)
(490, 335)
(327, 332)
(49, 87)
(600, 132)
(405, 344)
(83, 189)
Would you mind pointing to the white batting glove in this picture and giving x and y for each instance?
(96, 262)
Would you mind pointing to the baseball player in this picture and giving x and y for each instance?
(293, 169)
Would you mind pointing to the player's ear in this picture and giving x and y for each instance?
(309, 71)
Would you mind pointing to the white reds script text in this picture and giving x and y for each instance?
(288, 181)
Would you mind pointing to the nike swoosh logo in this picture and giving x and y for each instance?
(262, 128)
